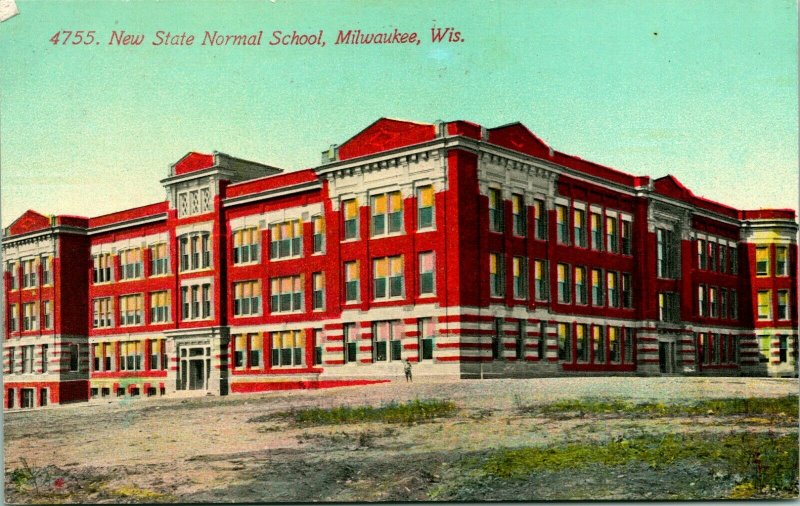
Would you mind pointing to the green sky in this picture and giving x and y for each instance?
(706, 91)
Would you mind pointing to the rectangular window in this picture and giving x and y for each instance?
(564, 343)
(612, 284)
(702, 254)
(351, 282)
(184, 252)
(318, 337)
(27, 359)
(286, 294)
(520, 268)
(30, 270)
(196, 301)
(45, 357)
(612, 241)
(30, 316)
(160, 303)
(627, 291)
(542, 286)
(599, 343)
(668, 307)
(47, 322)
(103, 312)
(562, 224)
(495, 210)
(386, 341)
(597, 231)
(159, 259)
(426, 336)
(701, 301)
(287, 348)
(539, 220)
(712, 256)
(734, 305)
(195, 251)
(103, 268)
(425, 214)
(255, 342)
(712, 302)
(13, 274)
(247, 298)
(11, 361)
(625, 233)
(723, 258)
(350, 219)
(387, 277)
(158, 354)
(47, 269)
(629, 345)
(734, 254)
(579, 227)
(13, 318)
(765, 305)
(762, 261)
(783, 304)
(614, 344)
(286, 239)
(246, 245)
(781, 261)
(318, 226)
(518, 211)
(582, 342)
(387, 213)
(427, 278)
(350, 336)
(131, 356)
(667, 264)
(130, 264)
(597, 288)
(581, 292)
(496, 273)
(131, 309)
(562, 273)
(318, 291)
(723, 302)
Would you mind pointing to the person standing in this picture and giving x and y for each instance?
(408, 370)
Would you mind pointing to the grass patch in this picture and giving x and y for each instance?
(765, 463)
(409, 412)
(140, 494)
(752, 406)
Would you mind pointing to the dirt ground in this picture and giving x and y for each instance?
(213, 449)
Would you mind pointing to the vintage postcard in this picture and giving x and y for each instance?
(284, 251)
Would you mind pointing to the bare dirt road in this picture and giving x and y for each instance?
(240, 449)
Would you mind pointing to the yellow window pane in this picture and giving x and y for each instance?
(352, 271)
(516, 267)
(255, 342)
(516, 203)
(297, 228)
(350, 209)
(493, 264)
(396, 201)
(299, 339)
(286, 285)
(276, 232)
(256, 288)
(379, 204)
(381, 267)
(426, 196)
(277, 341)
(275, 285)
(396, 266)
(241, 341)
(247, 289)
(319, 225)
(237, 290)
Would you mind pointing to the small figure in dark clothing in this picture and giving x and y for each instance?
(407, 369)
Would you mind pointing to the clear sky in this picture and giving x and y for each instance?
(703, 90)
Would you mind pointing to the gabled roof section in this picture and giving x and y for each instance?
(516, 136)
(193, 161)
(669, 186)
(30, 221)
(386, 134)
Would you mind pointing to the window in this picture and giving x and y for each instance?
(102, 271)
(582, 342)
(11, 361)
(540, 280)
(783, 348)
(286, 239)
(287, 348)
(520, 268)
(733, 349)
(317, 346)
(564, 343)
(130, 264)
(497, 338)
(666, 254)
(107, 356)
(702, 254)
(425, 331)
(562, 273)
(614, 344)
(160, 303)
(539, 220)
(519, 343)
(350, 336)
(13, 318)
(765, 348)
(734, 254)
(781, 261)
(425, 207)
(350, 216)
(597, 231)
(712, 303)
(159, 259)
(195, 251)
(158, 355)
(562, 224)
(579, 227)
(612, 241)
(386, 341)
(13, 274)
(317, 291)
(255, 342)
(103, 312)
(734, 305)
(518, 211)
(47, 322)
(627, 291)
(629, 346)
(206, 301)
(131, 356)
(239, 350)
(247, 298)
(47, 270)
(783, 304)
(496, 285)
(318, 226)
(245, 245)
(193, 306)
(625, 236)
(427, 278)
(723, 302)
(45, 357)
(131, 309)
(712, 256)
(351, 282)
(599, 344)
(27, 359)
(581, 296)
(668, 307)
(495, 210)
(541, 341)
(597, 287)
(612, 280)
(762, 261)
(30, 313)
(764, 305)
(10, 394)
(701, 301)
(29, 273)
(286, 294)
(723, 261)
(387, 213)
(387, 277)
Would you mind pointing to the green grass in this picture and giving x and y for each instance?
(764, 461)
(409, 412)
(780, 406)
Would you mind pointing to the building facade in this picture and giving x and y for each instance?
(470, 252)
